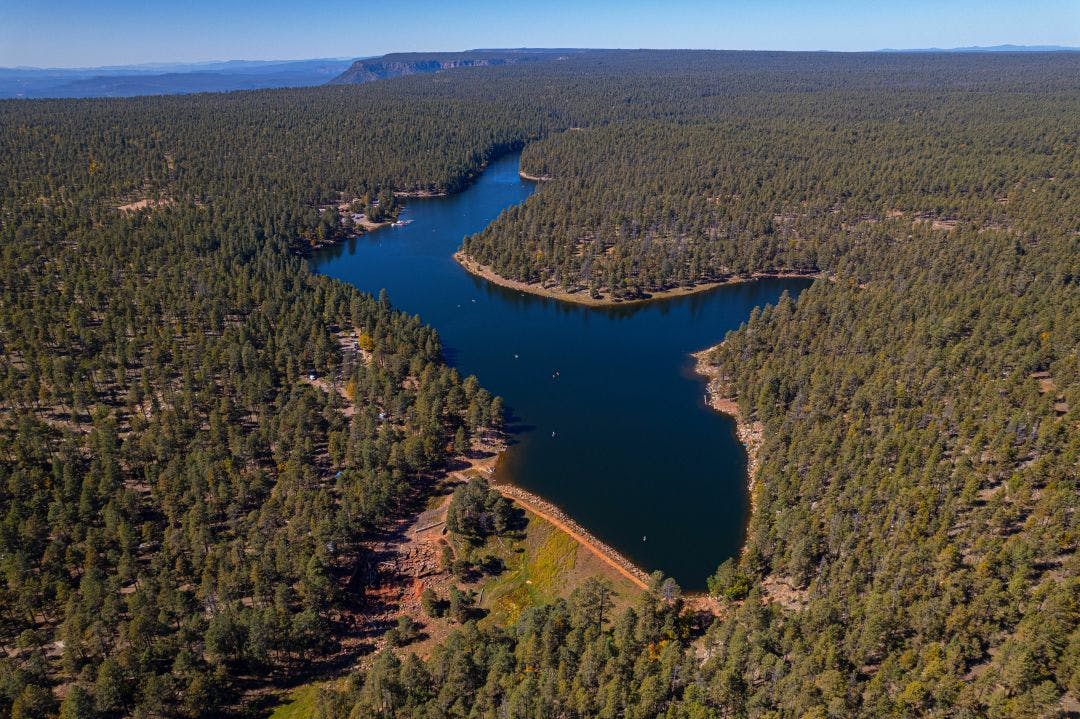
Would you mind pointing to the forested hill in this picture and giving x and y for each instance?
(183, 507)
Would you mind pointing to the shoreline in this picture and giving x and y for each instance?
(370, 226)
(534, 178)
(581, 297)
(750, 434)
(365, 228)
(362, 228)
(775, 588)
(420, 194)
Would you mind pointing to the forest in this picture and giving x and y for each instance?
(197, 434)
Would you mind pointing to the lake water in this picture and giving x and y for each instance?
(621, 439)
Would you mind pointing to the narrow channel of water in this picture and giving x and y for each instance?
(612, 425)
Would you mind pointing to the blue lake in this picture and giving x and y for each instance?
(621, 438)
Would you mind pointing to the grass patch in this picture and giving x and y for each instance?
(299, 703)
(553, 560)
(434, 501)
(536, 569)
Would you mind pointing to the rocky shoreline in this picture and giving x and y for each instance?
(750, 433)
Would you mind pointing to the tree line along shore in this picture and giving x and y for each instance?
(580, 296)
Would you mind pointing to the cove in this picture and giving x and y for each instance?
(620, 438)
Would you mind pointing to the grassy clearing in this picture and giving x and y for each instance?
(299, 703)
(534, 567)
(434, 501)
(543, 566)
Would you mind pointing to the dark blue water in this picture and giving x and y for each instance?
(621, 439)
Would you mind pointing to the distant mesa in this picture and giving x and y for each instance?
(424, 63)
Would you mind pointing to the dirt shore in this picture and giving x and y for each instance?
(581, 297)
(370, 226)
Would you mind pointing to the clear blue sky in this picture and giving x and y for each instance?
(104, 32)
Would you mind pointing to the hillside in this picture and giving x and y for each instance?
(633, 209)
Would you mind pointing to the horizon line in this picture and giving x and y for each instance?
(149, 64)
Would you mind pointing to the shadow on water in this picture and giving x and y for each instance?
(609, 420)
(516, 425)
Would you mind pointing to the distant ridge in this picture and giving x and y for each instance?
(990, 48)
(426, 63)
(166, 78)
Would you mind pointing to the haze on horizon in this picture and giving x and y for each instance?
(124, 32)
